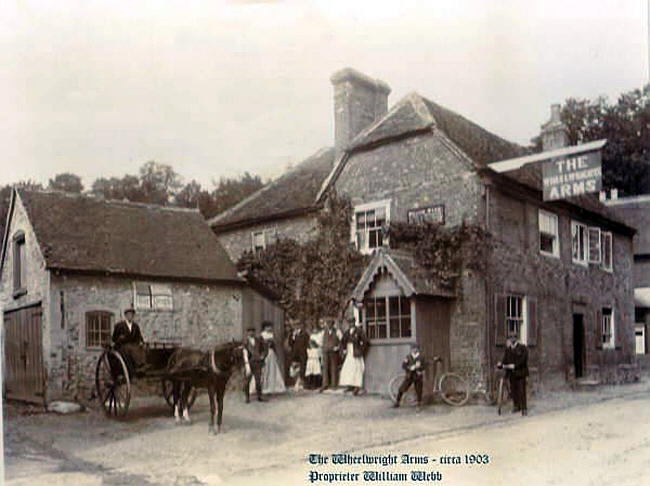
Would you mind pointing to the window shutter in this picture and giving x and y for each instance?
(500, 319)
(532, 321)
(594, 244)
(598, 329)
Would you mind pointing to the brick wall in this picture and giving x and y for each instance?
(561, 288)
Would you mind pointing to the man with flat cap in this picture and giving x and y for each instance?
(254, 354)
(515, 362)
(128, 340)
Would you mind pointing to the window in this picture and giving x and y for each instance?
(370, 221)
(98, 329)
(579, 243)
(606, 251)
(263, 238)
(20, 274)
(549, 241)
(515, 315)
(639, 336)
(594, 245)
(608, 327)
(388, 317)
(153, 296)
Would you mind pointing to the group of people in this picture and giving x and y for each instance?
(327, 357)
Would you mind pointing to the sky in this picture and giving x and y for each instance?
(217, 88)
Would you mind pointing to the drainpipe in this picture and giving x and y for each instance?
(488, 337)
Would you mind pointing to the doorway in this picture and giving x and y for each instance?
(579, 345)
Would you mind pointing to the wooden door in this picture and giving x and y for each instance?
(23, 351)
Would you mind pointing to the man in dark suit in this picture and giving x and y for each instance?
(299, 343)
(515, 361)
(128, 340)
(254, 355)
(332, 337)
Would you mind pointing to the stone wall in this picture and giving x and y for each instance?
(202, 316)
(417, 172)
(237, 241)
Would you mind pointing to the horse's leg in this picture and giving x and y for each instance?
(211, 395)
(220, 392)
(176, 395)
(186, 395)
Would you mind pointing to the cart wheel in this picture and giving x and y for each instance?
(408, 398)
(113, 383)
(453, 389)
(167, 390)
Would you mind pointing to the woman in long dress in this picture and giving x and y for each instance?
(272, 380)
(355, 344)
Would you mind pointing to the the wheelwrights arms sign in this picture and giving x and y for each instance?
(572, 176)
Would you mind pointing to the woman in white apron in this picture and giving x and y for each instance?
(355, 345)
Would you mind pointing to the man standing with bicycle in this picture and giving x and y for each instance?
(414, 366)
(515, 362)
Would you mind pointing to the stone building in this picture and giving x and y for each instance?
(70, 266)
(557, 273)
(635, 210)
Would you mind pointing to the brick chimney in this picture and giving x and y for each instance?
(554, 132)
(359, 100)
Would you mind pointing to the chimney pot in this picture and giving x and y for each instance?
(554, 132)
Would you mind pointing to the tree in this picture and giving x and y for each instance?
(66, 182)
(231, 191)
(159, 182)
(5, 199)
(626, 126)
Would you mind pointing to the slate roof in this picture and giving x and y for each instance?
(414, 113)
(293, 192)
(80, 233)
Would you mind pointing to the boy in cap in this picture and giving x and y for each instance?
(414, 367)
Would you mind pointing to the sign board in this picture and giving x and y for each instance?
(572, 176)
(431, 214)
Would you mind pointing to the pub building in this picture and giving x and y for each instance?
(558, 270)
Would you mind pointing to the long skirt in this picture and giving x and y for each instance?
(352, 370)
(272, 381)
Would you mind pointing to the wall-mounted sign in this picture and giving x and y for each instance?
(431, 214)
(572, 176)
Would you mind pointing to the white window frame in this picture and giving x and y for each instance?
(158, 298)
(363, 208)
(607, 242)
(517, 314)
(610, 343)
(555, 252)
(269, 236)
(401, 316)
(594, 237)
(639, 344)
(95, 333)
(582, 257)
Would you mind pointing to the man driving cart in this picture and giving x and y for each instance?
(129, 342)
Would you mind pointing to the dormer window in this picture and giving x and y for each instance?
(369, 225)
(20, 274)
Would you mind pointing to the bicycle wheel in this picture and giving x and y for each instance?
(408, 398)
(454, 389)
(500, 395)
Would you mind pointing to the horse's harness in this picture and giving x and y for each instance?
(213, 364)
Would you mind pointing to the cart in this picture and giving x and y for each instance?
(114, 377)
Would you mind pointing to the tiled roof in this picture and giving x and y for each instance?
(81, 233)
(414, 113)
(292, 192)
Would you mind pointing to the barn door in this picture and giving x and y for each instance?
(24, 376)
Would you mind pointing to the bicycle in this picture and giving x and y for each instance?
(503, 389)
(451, 387)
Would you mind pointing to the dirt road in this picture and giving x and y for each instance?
(569, 438)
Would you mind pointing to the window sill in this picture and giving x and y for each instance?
(20, 292)
(550, 255)
(580, 263)
(608, 270)
(392, 341)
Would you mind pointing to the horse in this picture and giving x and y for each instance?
(189, 368)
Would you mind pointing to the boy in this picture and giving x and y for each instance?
(414, 366)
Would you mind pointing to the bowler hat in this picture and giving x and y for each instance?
(129, 309)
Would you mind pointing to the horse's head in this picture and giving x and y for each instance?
(229, 354)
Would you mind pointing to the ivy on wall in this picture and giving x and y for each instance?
(313, 279)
